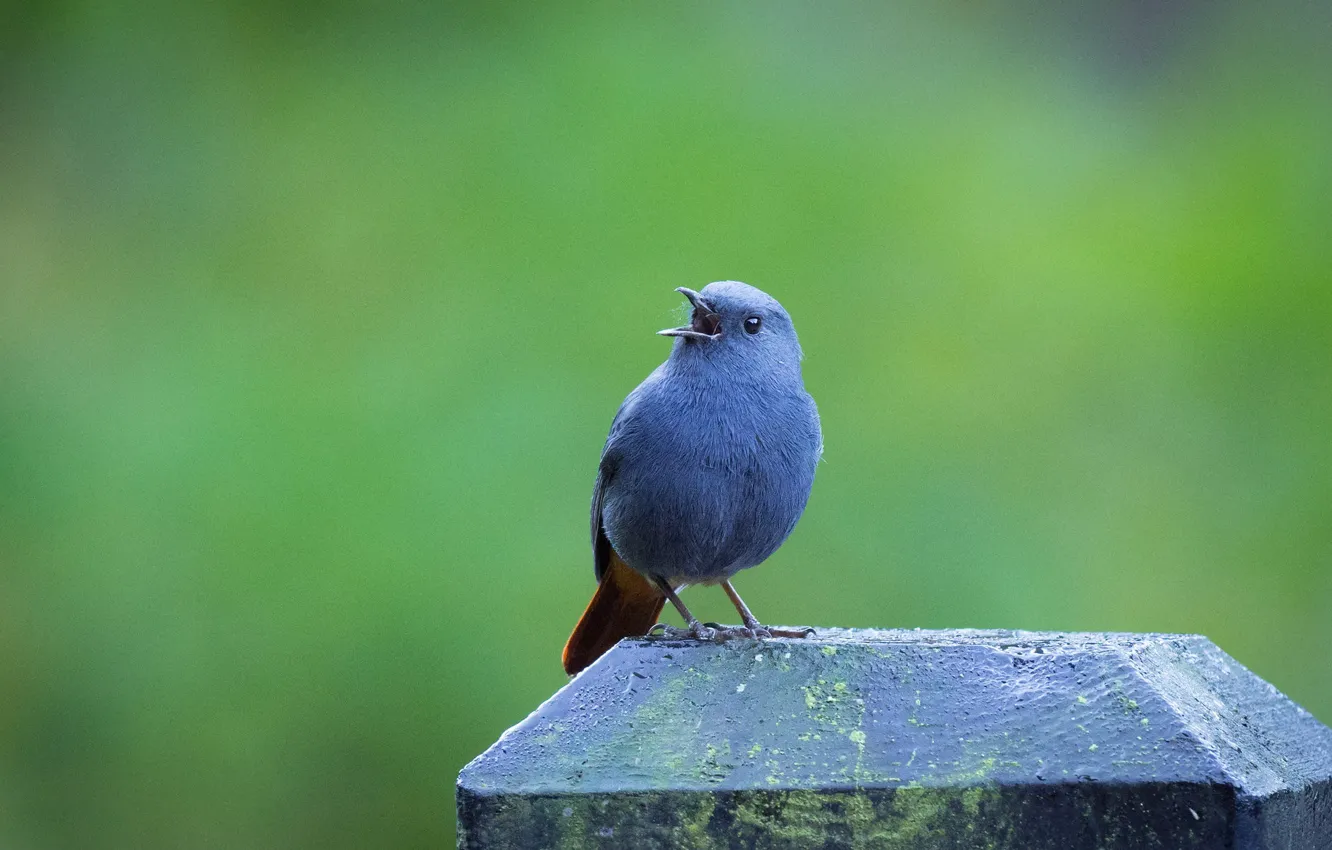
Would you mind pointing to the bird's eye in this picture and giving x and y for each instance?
(752, 324)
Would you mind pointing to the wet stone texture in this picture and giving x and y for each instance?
(908, 739)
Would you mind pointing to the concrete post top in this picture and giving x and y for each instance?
(979, 715)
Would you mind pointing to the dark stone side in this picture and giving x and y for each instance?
(921, 739)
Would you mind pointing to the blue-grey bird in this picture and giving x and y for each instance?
(707, 468)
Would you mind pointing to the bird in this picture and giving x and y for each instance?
(707, 468)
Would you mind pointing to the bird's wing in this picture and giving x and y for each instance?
(601, 548)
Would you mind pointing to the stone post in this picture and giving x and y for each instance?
(908, 739)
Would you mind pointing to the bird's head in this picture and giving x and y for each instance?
(733, 320)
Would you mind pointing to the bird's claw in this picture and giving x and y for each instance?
(669, 632)
(718, 632)
(801, 632)
(754, 632)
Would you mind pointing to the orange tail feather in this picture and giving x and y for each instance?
(625, 605)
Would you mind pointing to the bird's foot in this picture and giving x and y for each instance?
(750, 631)
(800, 632)
(699, 631)
(758, 632)
(716, 631)
(754, 632)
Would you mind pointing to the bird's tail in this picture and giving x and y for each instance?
(625, 605)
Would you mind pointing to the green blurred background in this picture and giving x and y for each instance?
(313, 320)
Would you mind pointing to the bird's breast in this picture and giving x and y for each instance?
(708, 484)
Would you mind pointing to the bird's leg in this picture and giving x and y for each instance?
(752, 626)
(751, 622)
(695, 629)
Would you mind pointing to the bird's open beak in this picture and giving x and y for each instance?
(703, 324)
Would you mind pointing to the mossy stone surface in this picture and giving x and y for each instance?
(922, 739)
